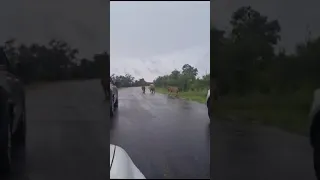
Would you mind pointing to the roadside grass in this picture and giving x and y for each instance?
(288, 112)
(198, 96)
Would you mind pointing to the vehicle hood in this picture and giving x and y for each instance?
(121, 165)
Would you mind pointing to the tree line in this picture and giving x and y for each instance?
(128, 80)
(186, 80)
(55, 61)
(245, 59)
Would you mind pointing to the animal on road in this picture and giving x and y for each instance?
(152, 88)
(173, 89)
(143, 89)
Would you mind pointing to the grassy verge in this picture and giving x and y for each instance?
(288, 112)
(198, 96)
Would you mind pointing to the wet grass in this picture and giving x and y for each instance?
(198, 96)
(288, 112)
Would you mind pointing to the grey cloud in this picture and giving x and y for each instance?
(153, 62)
(293, 16)
(154, 70)
(150, 70)
(145, 29)
(137, 72)
(156, 37)
(83, 24)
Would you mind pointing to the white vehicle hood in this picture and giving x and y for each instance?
(121, 165)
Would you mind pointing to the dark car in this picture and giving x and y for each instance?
(113, 96)
(12, 111)
(315, 131)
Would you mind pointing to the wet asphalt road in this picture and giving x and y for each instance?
(67, 134)
(253, 152)
(165, 137)
(169, 138)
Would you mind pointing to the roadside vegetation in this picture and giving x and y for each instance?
(198, 96)
(54, 61)
(190, 86)
(257, 80)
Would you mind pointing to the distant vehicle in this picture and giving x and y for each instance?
(315, 131)
(113, 97)
(209, 104)
(121, 165)
(12, 111)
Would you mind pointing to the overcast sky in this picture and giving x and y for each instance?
(149, 39)
(293, 16)
(84, 24)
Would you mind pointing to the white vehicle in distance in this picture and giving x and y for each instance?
(121, 165)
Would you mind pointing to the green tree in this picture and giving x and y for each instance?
(55, 61)
(246, 52)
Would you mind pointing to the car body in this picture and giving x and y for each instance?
(113, 98)
(209, 104)
(12, 111)
(314, 113)
(122, 166)
(315, 130)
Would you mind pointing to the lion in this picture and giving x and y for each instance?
(152, 88)
(173, 89)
